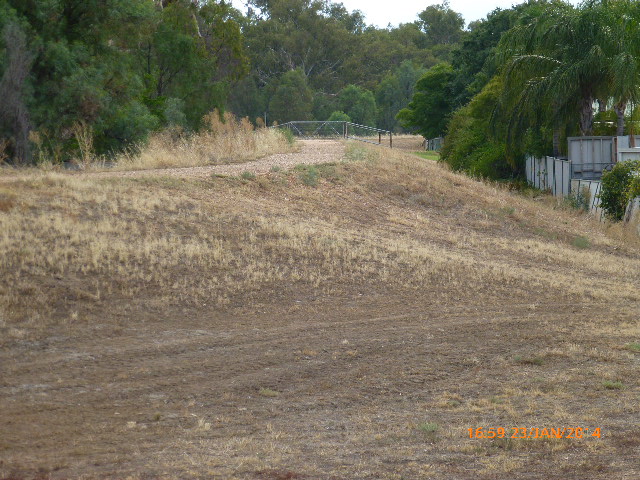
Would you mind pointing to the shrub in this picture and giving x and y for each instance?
(339, 116)
(581, 242)
(288, 135)
(309, 176)
(580, 200)
(470, 146)
(618, 187)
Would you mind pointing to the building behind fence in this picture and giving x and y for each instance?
(434, 144)
(580, 175)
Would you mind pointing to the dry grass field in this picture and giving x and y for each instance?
(350, 320)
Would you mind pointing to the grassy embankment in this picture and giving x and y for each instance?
(387, 306)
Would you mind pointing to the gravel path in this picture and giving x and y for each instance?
(311, 152)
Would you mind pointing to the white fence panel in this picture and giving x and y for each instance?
(549, 173)
(594, 188)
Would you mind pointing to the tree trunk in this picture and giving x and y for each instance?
(602, 106)
(586, 116)
(620, 108)
(13, 111)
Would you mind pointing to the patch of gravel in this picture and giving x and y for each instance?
(311, 152)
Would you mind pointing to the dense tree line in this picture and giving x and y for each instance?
(112, 71)
(117, 69)
(109, 72)
(525, 79)
(313, 59)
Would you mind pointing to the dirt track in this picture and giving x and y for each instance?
(311, 152)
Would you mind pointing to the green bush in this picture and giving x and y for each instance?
(619, 185)
(308, 174)
(339, 116)
(288, 134)
(470, 146)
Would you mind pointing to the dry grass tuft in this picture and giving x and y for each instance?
(222, 140)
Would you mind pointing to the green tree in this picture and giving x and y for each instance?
(284, 35)
(120, 67)
(472, 146)
(14, 116)
(428, 111)
(474, 59)
(558, 65)
(293, 99)
(324, 104)
(395, 92)
(338, 116)
(192, 54)
(441, 25)
(359, 104)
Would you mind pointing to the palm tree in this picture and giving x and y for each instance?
(556, 66)
(622, 43)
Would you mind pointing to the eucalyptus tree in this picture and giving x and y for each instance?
(429, 110)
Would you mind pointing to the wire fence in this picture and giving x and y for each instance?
(339, 129)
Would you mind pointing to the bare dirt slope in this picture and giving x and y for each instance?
(336, 321)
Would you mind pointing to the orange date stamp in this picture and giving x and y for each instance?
(533, 433)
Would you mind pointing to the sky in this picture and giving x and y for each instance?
(382, 12)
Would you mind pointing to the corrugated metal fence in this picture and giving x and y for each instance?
(434, 144)
(549, 173)
(556, 175)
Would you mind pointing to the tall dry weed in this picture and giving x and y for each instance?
(223, 139)
(83, 134)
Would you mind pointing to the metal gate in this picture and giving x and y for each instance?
(338, 129)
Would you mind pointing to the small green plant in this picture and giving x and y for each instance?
(428, 427)
(359, 153)
(429, 155)
(309, 175)
(247, 175)
(634, 347)
(546, 234)
(581, 242)
(276, 169)
(507, 211)
(288, 134)
(267, 392)
(528, 360)
(609, 385)
(580, 200)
